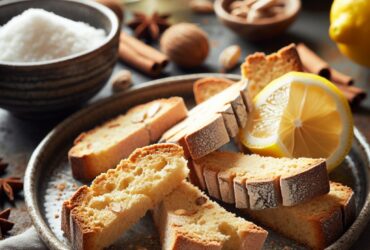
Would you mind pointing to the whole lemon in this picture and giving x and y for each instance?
(350, 29)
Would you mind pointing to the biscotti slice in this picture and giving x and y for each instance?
(187, 219)
(98, 215)
(316, 223)
(212, 123)
(260, 69)
(103, 147)
(258, 182)
(207, 87)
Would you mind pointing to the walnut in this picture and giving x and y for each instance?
(185, 44)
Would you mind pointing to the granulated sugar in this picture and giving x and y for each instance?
(38, 35)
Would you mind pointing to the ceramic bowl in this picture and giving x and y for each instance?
(38, 88)
(261, 29)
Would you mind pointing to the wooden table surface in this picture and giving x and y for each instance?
(18, 138)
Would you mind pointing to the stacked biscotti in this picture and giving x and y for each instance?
(291, 196)
(257, 182)
(212, 123)
(103, 147)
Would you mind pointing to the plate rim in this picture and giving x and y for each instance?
(30, 187)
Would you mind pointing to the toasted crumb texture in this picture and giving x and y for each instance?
(207, 87)
(212, 123)
(260, 69)
(187, 219)
(103, 147)
(257, 182)
(316, 223)
(97, 215)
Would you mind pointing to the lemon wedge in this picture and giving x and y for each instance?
(300, 115)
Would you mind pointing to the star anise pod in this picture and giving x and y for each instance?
(3, 166)
(149, 27)
(5, 224)
(11, 185)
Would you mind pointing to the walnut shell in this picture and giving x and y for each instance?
(185, 44)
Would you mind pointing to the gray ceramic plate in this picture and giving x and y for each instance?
(48, 179)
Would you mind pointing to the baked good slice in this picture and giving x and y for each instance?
(207, 87)
(188, 219)
(103, 147)
(316, 223)
(212, 123)
(257, 182)
(96, 216)
(260, 69)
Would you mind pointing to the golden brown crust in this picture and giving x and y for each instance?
(207, 87)
(163, 148)
(68, 205)
(260, 69)
(183, 242)
(82, 237)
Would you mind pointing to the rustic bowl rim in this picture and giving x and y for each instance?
(105, 11)
(223, 14)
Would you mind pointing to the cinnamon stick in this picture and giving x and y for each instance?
(312, 62)
(141, 56)
(353, 94)
(341, 78)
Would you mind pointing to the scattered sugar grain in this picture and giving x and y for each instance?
(37, 35)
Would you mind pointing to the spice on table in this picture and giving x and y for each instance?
(341, 78)
(121, 81)
(3, 165)
(22, 41)
(353, 94)
(5, 224)
(141, 56)
(185, 44)
(312, 62)
(201, 6)
(149, 27)
(10, 186)
(229, 57)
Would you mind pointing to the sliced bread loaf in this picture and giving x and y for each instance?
(103, 147)
(207, 87)
(97, 215)
(210, 124)
(316, 223)
(260, 69)
(187, 219)
(257, 182)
